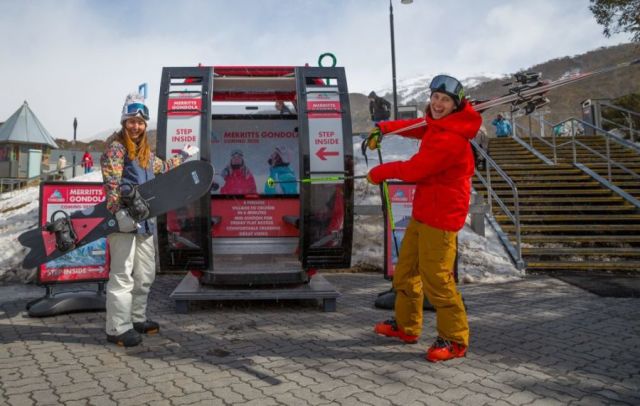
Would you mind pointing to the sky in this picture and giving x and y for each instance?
(72, 58)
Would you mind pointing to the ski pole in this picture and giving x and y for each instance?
(272, 182)
(387, 201)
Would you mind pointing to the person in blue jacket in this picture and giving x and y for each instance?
(503, 127)
(284, 178)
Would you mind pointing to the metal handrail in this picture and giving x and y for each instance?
(532, 149)
(609, 137)
(516, 253)
(632, 131)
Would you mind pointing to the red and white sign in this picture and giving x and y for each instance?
(254, 217)
(183, 121)
(184, 106)
(89, 262)
(325, 130)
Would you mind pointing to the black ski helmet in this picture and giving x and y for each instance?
(448, 85)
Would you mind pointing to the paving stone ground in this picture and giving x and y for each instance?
(537, 341)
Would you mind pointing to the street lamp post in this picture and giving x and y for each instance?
(75, 126)
(393, 58)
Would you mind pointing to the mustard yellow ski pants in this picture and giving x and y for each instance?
(425, 267)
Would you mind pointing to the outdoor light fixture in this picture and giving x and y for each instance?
(393, 58)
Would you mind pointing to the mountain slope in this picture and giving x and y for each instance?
(565, 101)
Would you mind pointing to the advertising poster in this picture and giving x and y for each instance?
(254, 217)
(325, 130)
(401, 199)
(246, 153)
(87, 263)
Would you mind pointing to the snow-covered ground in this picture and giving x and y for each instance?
(482, 260)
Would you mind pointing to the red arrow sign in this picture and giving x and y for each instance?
(322, 153)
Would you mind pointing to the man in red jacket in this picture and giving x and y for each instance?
(442, 170)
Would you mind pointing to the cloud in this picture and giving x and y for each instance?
(80, 58)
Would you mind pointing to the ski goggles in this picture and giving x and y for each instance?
(448, 85)
(134, 109)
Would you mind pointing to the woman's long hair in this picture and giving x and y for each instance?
(140, 150)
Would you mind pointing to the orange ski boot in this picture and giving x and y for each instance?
(390, 328)
(443, 350)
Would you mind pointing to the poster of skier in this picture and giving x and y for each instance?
(248, 152)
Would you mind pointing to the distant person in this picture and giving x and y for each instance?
(503, 127)
(238, 179)
(282, 108)
(284, 178)
(61, 165)
(482, 139)
(87, 162)
(379, 108)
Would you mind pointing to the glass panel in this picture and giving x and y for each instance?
(326, 218)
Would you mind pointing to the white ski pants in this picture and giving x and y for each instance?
(131, 274)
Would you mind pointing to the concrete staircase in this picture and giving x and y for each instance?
(569, 221)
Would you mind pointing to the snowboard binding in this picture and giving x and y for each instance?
(135, 204)
(66, 236)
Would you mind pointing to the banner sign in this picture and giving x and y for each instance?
(246, 153)
(87, 263)
(401, 199)
(325, 130)
(183, 120)
(254, 217)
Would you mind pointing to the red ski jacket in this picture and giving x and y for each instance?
(442, 167)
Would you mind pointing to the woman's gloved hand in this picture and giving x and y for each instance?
(126, 224)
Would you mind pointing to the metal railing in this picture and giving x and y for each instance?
(514, 216)
(571, 130)
(607, 181)
(629, 115)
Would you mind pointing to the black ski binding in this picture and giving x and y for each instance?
(135, 204)
(535, 103)
(66, 236)
(527, 78)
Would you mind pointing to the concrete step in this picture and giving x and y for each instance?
(570, 209)
(574, 228)
(571, 200)
(583, 218)
(570, 177)
(553, 192)
(501, 184)
(617, 266)
(579, 239)
(577, 251)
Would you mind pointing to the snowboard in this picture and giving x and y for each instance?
(168, 191)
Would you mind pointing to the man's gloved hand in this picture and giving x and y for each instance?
(374, 138)
(188, 151)
(126, 224)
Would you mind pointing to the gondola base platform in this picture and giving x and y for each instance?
(190, 289)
